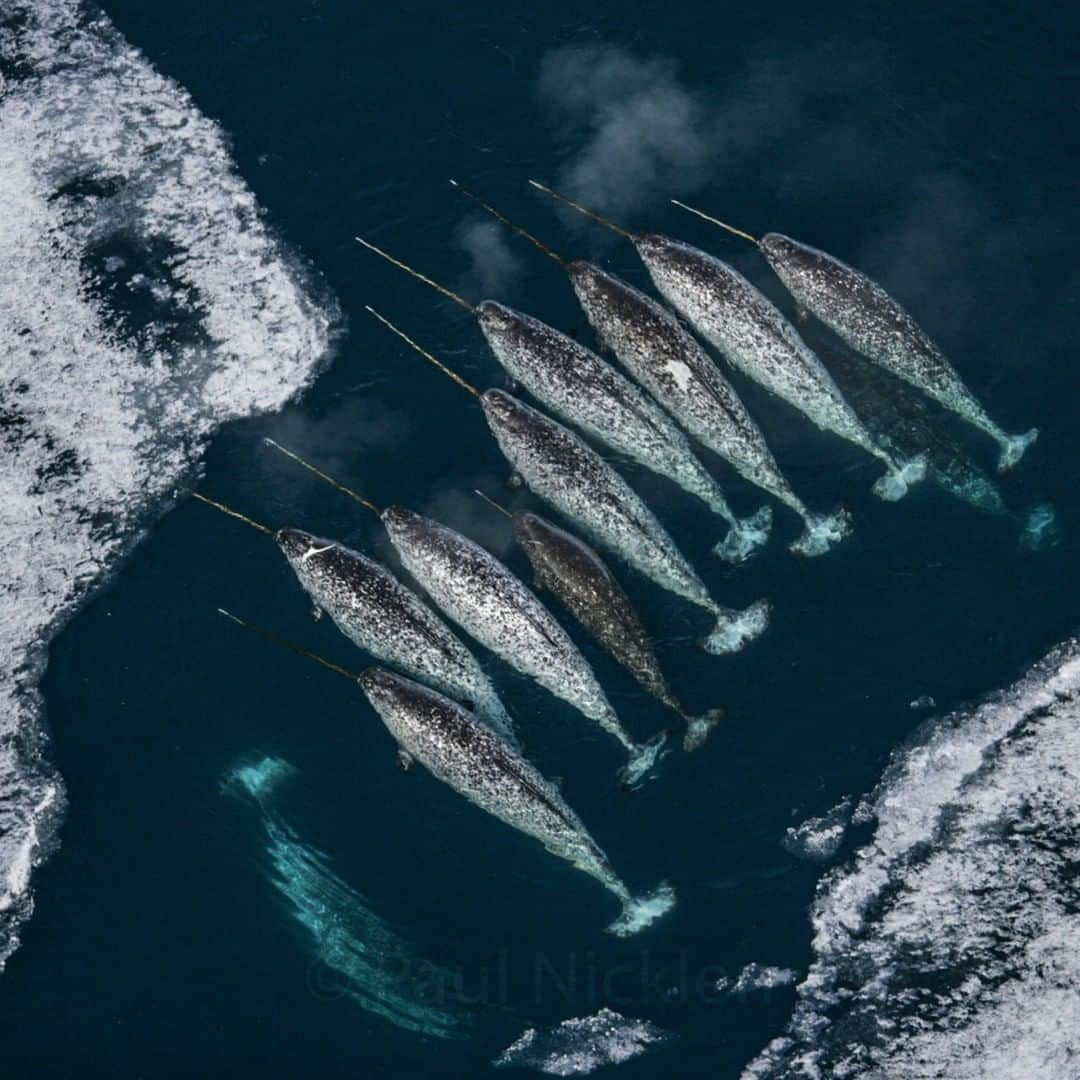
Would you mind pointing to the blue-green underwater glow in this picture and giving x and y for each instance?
(354, 953)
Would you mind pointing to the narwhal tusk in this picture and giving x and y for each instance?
(234, 514)
(366, 503)
(491, 502)
(715, 221)
(424, 353)
(421, 277)
(277, 639)
(625, 233)
(510, 225)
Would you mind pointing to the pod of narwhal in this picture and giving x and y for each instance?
(456, 748)
(564, 471)
(753, 335)
(654, 346)
(586, 391)
(862, 313)
(573, 572)
(495, 607)
(384, 618)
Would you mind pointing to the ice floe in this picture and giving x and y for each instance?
(143, 302)
(948, 946)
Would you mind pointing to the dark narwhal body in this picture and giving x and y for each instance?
(668, 361)
(873, 323)
(754, 336)
(458, 750)
(588, 392)
(494, 606)
(379, 614)
(904, 421)
(901, 421)
(576, 574)
(564, 471)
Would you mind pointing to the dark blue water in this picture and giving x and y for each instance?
(935, 151)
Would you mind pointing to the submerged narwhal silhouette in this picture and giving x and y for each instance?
(565, 472)
(461, 752)
(655, 347)
(496, 608)
(756, 338)
(589, 393)
(862, 313)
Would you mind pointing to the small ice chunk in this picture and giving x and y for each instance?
(582, 1044)
(818, 839)
(760, 977)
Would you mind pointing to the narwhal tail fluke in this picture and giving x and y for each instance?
(735, 628)
(698, 728)
(894, 485)
(745, 536)
(1012, 449)
(641, 911)
(821, 532)
(643, 758)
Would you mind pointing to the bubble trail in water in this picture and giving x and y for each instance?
(354, 953)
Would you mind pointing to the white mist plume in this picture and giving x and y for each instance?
(637, 133)
(644, 132)
(494, 266)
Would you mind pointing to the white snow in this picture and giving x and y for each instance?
(948, 948)
(143, 302)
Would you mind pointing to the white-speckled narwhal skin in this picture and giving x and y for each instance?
(498, 609)
(588, 392)
(669, 362)
(464, 754)
(754, 336)
(862, 313)
(565, 472)
(380, 615)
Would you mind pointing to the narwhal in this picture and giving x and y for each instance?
(862, 313)
(900, 420)
(655, 347)
(448, 741)
(589, 393)
(903, 420)
(384, 618)
(567, 473)
(756, 338)
(574, 572)
(496, 608)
